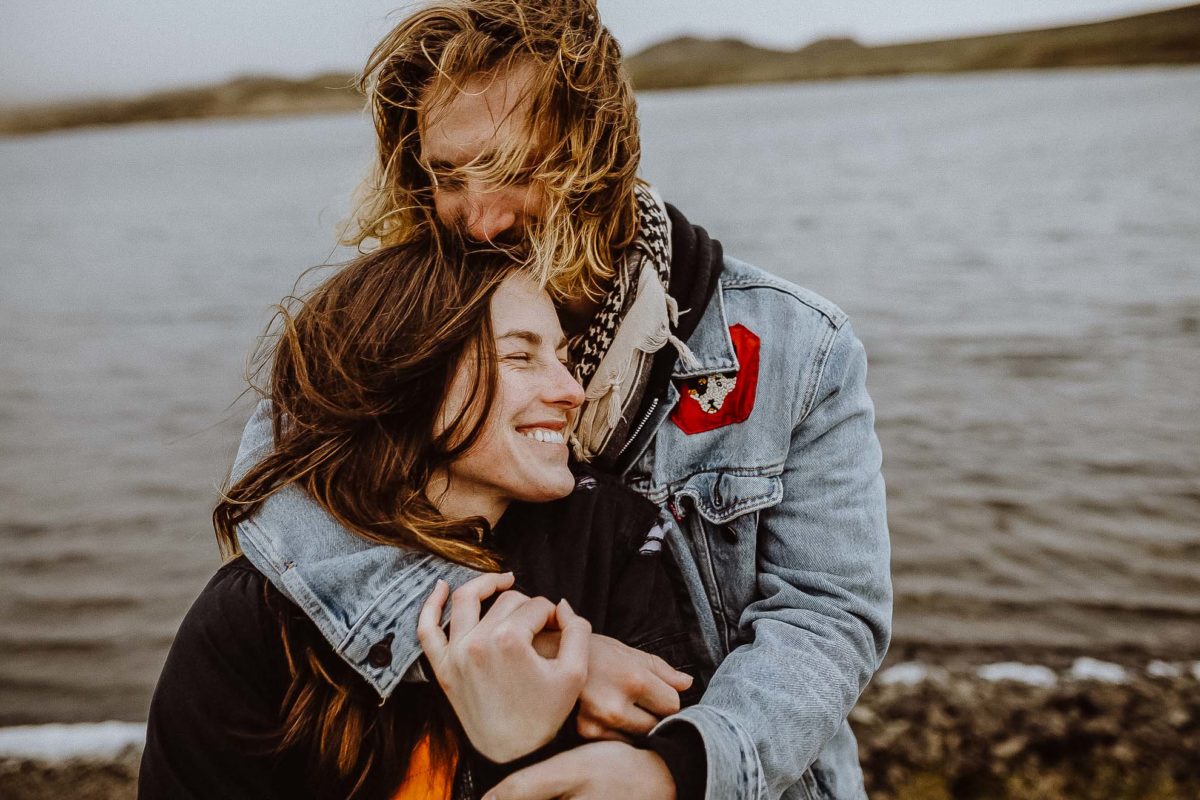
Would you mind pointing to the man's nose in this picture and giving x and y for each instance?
(487, 216)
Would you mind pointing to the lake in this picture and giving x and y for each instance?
(1020, 252)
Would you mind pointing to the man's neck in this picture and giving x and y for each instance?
(576, 315)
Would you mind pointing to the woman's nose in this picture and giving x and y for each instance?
(567, 391)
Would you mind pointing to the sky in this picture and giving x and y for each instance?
(62, 49)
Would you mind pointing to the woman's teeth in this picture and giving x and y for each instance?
(544, 435)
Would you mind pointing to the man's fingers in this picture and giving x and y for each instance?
(631, 721)
(467, 599)
(658, 697)
(679, 681)
(545, 780)
(429, 623)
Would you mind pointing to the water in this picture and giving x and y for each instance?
(1018, 251)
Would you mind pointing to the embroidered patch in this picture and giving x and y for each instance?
(710, 391)
(714, 401)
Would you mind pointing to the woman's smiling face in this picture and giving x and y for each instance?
(522, 451)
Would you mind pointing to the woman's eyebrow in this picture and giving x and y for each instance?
(532, 338)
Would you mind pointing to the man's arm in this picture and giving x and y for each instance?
(822, 620)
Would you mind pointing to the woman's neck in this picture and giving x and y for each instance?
(460, 500)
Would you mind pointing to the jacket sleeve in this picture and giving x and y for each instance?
(821, 620)
(214, 720)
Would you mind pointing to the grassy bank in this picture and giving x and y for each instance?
(1165, 37)
(950, 735)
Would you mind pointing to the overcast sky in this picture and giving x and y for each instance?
(54, 49)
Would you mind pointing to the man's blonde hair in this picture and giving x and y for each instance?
(579, 107)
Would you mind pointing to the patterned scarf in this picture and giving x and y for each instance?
(613, 356)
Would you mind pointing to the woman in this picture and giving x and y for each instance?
(421, 398)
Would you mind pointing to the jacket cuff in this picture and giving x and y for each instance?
(682, 750)
(732, 766)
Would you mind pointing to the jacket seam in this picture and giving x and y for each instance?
(834, 319)
(384, 594)
(810, 394)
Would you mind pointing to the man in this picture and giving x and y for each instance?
(729, 396)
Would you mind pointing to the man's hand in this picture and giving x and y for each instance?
(595, 771)
(509, 699)
(627, 691)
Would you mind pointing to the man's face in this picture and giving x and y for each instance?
(483, 118)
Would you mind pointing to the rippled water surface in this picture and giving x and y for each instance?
(1020, 253)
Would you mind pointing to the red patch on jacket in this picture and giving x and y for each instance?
(715, 401)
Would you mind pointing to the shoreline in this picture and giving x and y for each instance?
(926, 731)
(1169, 37)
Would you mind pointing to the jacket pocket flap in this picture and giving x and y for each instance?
(720, 496)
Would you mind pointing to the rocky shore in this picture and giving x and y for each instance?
(1002, 730)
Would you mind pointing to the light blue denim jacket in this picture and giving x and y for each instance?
(782, 537)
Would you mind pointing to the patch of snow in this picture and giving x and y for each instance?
(1163, 669)
(1090, 669)
(909, 673)
(100, 740)
(1030, 674)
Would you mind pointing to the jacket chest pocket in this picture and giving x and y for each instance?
(722, 511)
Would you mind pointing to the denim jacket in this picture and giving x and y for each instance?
(781, 535)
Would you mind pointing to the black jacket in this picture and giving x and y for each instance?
(214, 721)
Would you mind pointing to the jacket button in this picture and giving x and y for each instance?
(380, 654)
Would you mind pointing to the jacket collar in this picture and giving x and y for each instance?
(710, 343)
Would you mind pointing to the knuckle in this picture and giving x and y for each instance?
(589, 729)
(476, 650)
(508, 638)
(609, 712)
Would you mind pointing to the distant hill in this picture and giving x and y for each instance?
(240, 97)
(1163, 37)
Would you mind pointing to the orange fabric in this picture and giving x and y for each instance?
(424, 779)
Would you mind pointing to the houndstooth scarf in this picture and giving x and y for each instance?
(614, 355)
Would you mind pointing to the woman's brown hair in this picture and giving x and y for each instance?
(358, 369)
(579, 103)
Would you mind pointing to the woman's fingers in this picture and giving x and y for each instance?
(525, 621)
(573, 645)
(467, 600)
(429, 623)
(505, 604)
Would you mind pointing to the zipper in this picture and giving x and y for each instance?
(641, 424)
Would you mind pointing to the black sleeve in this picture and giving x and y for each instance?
(682, 750)
(214, 720)
(650, 614)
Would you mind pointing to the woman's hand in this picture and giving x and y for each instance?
(509, 699)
